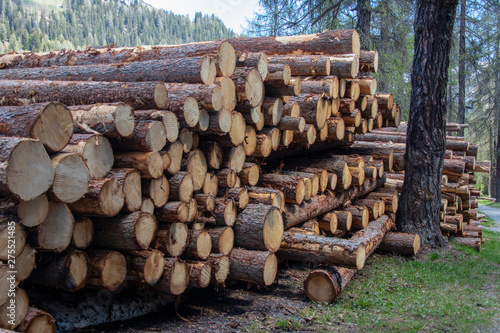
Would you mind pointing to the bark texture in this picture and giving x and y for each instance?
(421, 195)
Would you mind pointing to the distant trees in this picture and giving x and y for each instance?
(82, 23)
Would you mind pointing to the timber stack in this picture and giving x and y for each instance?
(149, 171)
(459, 198)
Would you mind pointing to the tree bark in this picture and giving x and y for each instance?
(139, 95)
(363, 23)
(259, 267)
(426, 136)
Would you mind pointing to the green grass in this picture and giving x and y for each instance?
(454, 289)
(489, 203)
(489, 223)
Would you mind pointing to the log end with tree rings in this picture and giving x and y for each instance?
(160, 95)
(270, 269)
(153, 267)
(226, 241)
(204, 245)
(227, 95)
(226, 59)
(20, 310)
(71, 178)
(254, 88)
(179, 278)
(25, 263)
(111, 198)
(98, 156)
(124, 119)
(147, 205)
(59, 222)
(200, 274)
(145, 230)
(28, 171)
(250, 174)
(83, 233)
(204, 120)
(53, 127)
(237, 131)
(273, 229)
(322, 286)
(112, 268)
(220, 268)
(311, 134)
(208, 71)
(250, 141)
(263, 65)
(37, 321)
(236, 158)
(171, 124)
(33, 212)
(191, 111)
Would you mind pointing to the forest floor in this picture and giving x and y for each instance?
(453, 289)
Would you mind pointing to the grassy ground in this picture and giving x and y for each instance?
(454, 289)
(489, 203)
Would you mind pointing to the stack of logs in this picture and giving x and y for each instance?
(459, 216)
(139, 169)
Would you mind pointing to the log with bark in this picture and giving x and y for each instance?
(222, 239)
(259, 267)
(69, 271)
(139, 95)
(111, 120)
(172, 239)
(188, 70)
(325, 284)
(130, 232)
(292, 186)
(108, 269)
(259, 227)
(50, 123)
(104, 198)
(175, 277)
(321, 249)
(400, 243)
(200, 245)
(200, 274)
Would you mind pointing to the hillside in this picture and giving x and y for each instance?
(45, 25)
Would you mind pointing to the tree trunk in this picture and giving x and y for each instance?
(139, 95)
(461, 68)
(325, 284)
(400, 243)
(304, 65)
(363, 23)
(426, 136)
(50, 123)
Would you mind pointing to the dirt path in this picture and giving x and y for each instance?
(494, 214)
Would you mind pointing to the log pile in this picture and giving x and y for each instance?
(459, 203)
(157, 169)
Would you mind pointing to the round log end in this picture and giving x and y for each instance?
(132, 190)
(237, 131)
(147, 206)
(33, 212)
(226, 241)
(254, 88)
(145, 230)
(59, 222)
(179, 278)
(29, 170)
(54, 127)
(191, 111)
(236, 158)
(205, 276)
(300, 191)
(230, 213)
(153, 268)
(124, 119)
(83, 232)
(416, 244)
(262, 65)
(111, 197)
(273, 229)
(250, 141)
(71, 178)
(98, 156)
(204, 245)
(321, 286)
(155, 164)
(270, 269)
(250, 175)
(227, 94)
(171, 124)
(78, 270)
(20, 310)
(114, 271)
(208, 71)
(361, 257)
(40, 322)
(226, 59)
(160, 95)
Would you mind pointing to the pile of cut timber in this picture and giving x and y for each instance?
(152, 170)
(459, 216)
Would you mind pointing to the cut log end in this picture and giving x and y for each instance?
(33, 212)
(54, 127)
(321, 287)
(153, 268)
(145, 230)
(160, 95)
(273, 229)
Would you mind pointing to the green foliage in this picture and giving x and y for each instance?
(391, 32)
(453, 289)
(45, 25)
